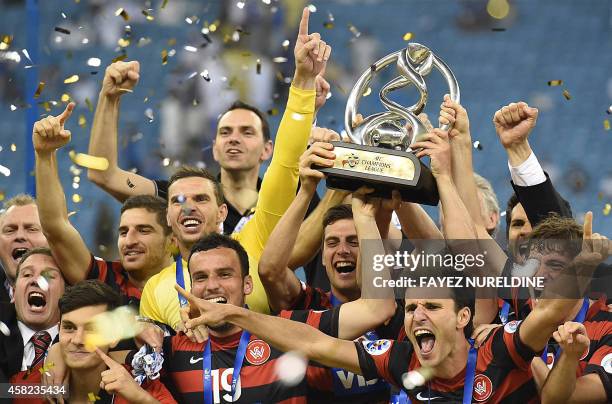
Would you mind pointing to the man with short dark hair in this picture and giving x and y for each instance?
(38, 287)
(144, 238)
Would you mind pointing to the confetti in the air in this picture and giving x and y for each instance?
(606, 124)
(4, 329)
(567, 95)
(13, 147)
(119, 58)
(43, 283)
(82, 121)
(6, 42)
(329, 24)
(65, 98)
(273, 111)
(285, 44)
(92, 397)
(164, 4)
(149, 114)
(190, 48)
(554, 83)
(87, 161)
(89, 104)
(124, 43)
(148, 15)
(164, 55)
(291, 368)
(39, 89)
(62, 30)
(354, 30)
(367, 92)
(416, 378)
(609, 110)
(5, 170)
(27, 55)
(121, 12)
(13, 107)
(205, 75)
(258, 66)
(407, 36)
(72, 79)
(279, 59)
(312, 8)
(76, 198)
(477, 145)
(607, 208)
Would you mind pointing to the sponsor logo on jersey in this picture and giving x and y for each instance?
(258, 352)
(483, 387)
(606, 363)
(511, 326)
(377, 347)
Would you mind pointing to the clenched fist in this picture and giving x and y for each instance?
(120, 78)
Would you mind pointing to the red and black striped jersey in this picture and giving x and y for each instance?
(503, 372)
(598, 360)
(312, 299)
(113, 274)
(259, 382)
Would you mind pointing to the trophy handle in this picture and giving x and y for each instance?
(413, 55)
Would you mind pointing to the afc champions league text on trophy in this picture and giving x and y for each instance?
(380, 155)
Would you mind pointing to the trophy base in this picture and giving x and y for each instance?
(381, 169)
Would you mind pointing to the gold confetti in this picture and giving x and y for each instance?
(554, 83)
(39, 89)
(328, 25)
(82, 121)
(87, 161)
(164, 55)
(46, 106)
(606, 124)
(6, 42)
(110, 326)
(171, 41)
(407, 36)
(89, 104)
(72, 79)
(567, 95)
(607, 208)
(124, 43)
(92, 397)
(147, 15)
(76, 198)
(1, 195)
(72, 213)
(121, 12)
(119, 58)
(367, 92)
(498, 9)
(164, 4)
(65, 97)
(273, 111)
(13, 147)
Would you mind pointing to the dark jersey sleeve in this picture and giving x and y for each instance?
(540, 200)
(161, 188)
(505, 348)
(600, 363)
(385, 359)
(393, 328)
(325, 321)
(311, 298)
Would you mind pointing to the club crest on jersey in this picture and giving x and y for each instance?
(258, 352)
(483, 388)
(377, 347)
(606, 363)
(511, 326)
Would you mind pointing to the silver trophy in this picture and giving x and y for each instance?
(380, 154)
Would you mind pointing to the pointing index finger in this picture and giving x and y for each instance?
(587, 230)
(107, 359)
(187, 295)
(67, 112)
(304, 22)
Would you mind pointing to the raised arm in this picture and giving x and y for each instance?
(513, 124)
(309, 237)
(66, 243)
(369, 311)
(281, 284)
(119, 78)
(561, 385)
(283, 334)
